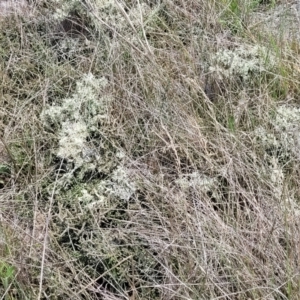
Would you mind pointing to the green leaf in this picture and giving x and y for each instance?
(5, 169)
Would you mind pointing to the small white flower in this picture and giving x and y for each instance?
(76, 116)
(245, 61)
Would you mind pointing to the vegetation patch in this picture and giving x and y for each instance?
(149, 150)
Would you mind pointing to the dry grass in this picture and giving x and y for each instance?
(136, 162)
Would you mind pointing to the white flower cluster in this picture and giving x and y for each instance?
(287, 124)
(73, 120)
(265, 138)
(128, 22)
(287, 118)
(72, 139)
(64, 8)
(119, 186)
(286, 200)
(86, 197)
(284, 141)
(277, 177)
(245, 62)
(76, 116)
(200, 182)
(70, 46)
(286, 130)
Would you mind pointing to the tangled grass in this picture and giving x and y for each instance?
(149, 150)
